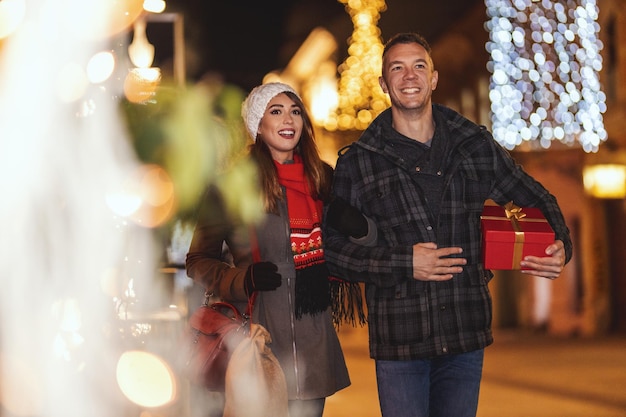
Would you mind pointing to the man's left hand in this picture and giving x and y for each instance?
(550, 266)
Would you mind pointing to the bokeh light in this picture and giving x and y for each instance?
(545, 59)
(147, 197)
(140, 84)
(100, 67)
(146, 379)
(154, 6)
(605, 180)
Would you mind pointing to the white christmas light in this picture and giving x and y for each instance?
(545, 58)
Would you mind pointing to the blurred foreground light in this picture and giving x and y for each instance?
(21, 386)
(605, 180)
(71, 83)
(68, 314)
(109, 281)
(102, 19)
(123, 203)
(146, 379)
(11, 16)
(157, 197)
(156, 186)
(100, 67)
(69, 318)
(147, 198)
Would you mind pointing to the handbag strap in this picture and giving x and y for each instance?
(256, 257)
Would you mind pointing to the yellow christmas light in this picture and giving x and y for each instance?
(360, 96)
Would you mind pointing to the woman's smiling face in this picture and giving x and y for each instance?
(281, 127)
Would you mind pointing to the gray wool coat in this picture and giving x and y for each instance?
(308, 348)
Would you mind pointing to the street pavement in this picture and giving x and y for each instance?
(525, 375)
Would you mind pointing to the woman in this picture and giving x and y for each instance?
(290, 279)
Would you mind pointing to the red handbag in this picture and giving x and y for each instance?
(215, 331)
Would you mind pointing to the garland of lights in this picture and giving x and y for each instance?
(544, 63)
(360, 96)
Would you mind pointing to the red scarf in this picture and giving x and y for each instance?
(305, 214)
(315, 290)
(305, 219)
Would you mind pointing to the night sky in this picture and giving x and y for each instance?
(244, 40)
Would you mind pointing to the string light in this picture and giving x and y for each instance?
(544, 63)
(360, 96)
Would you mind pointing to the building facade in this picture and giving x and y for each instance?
(590, 296)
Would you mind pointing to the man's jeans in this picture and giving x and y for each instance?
(446, 386)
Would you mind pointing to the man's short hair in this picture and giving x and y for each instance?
(407, 37)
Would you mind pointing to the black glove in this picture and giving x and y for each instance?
(346, 219)
(261, 276)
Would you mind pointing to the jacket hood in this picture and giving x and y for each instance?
(454, 132)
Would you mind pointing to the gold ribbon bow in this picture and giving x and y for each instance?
(513, 212)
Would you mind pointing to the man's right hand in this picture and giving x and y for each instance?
(432, 264)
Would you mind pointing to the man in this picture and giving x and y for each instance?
(422, 173)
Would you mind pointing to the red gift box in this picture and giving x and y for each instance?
(510, 233)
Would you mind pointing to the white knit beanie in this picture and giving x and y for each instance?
(254, 105)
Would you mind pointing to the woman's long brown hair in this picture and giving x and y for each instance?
(316, 171)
